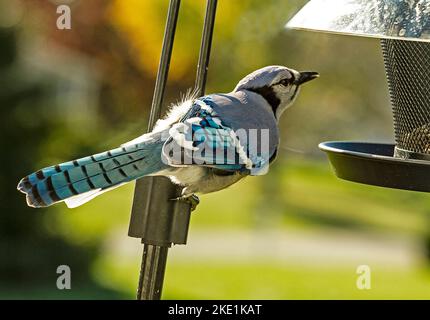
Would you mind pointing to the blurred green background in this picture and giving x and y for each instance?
(296, 233)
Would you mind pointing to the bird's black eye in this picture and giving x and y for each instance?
(286, 82)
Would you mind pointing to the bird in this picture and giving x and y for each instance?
(203, 144)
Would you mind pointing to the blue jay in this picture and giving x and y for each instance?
(196, 145)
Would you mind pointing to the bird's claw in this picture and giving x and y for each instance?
(193, 200)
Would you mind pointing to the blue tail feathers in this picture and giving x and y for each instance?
(97, 172)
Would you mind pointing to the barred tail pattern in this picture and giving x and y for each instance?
(95, 173)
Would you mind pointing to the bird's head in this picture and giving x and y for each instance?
(277, 84)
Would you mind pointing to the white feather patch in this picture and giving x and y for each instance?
(178, 132)
(240, 150)
(173, 115)
(80, 199)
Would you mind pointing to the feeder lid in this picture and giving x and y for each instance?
(391, 19)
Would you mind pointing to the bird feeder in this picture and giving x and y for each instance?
(403, 28)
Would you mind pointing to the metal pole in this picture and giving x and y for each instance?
(154, 256)
(205, 47)
(152, 272)
(163, 68)
(155, 218)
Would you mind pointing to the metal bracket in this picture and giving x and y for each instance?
(156, 218)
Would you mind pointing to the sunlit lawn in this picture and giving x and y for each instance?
(272, 280)
(258, 280)
(298, 194)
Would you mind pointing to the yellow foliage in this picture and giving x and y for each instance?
(142, 23)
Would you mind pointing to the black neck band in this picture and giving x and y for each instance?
(269, 95)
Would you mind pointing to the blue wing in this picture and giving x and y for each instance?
(202, 138)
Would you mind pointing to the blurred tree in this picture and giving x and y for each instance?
(29, 254)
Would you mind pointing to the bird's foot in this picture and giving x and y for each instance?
(192, 199)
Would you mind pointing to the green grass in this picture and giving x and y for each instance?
(80, 291)
(312, 192)
(297, 194)
(272, 280)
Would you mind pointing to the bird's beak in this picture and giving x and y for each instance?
(306, 76)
